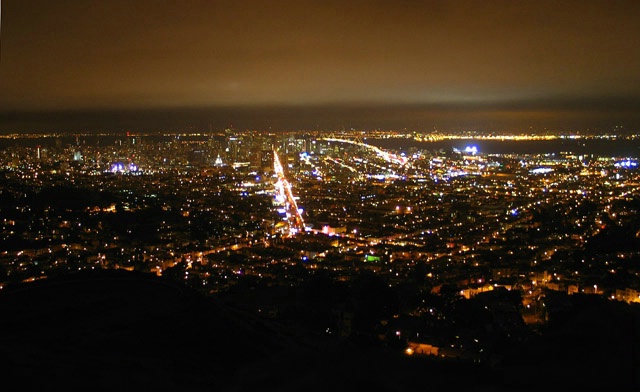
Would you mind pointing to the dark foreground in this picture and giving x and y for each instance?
(117, 330)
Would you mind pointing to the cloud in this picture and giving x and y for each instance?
(123, 56)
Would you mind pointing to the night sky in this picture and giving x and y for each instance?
(292, 64)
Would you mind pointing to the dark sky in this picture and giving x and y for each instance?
(486, 64)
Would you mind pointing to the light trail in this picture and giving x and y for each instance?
(387, 156)
(284, 190)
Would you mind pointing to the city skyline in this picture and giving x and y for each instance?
(493, 65)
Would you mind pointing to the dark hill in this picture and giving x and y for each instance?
(111, 329)
(118, 330)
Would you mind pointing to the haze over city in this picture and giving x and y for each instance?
(490, 65)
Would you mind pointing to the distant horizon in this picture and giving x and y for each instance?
(567, 116)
